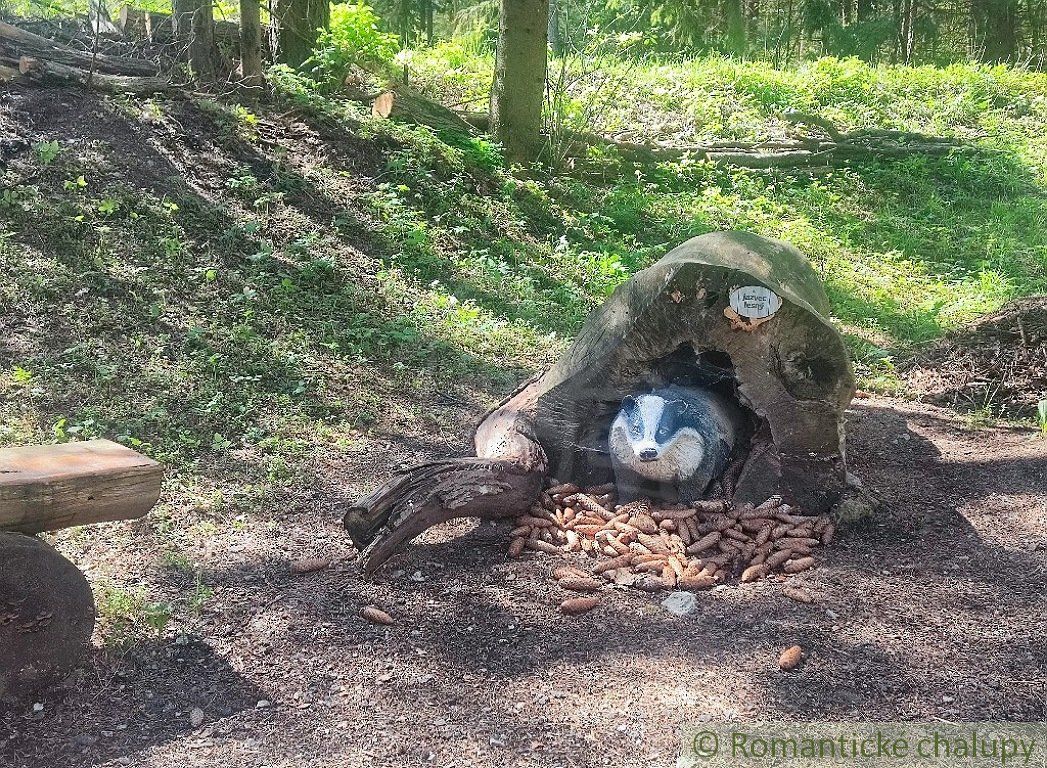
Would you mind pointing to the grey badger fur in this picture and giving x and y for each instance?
(671, 443)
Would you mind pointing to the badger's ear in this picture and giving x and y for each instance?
(628, 403)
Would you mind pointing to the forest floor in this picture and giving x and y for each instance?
(934, 610)
(283, 304)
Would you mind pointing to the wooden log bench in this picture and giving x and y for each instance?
(47, 609)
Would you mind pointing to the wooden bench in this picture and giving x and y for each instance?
(47, 610)
(48, 487)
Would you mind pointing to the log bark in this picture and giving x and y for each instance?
(673, 323)
(503, 480)
(46, 617)
(406, 104)
(53, 72)
(44, 488)
(16, 42)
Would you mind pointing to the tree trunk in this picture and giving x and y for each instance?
(735, 26)
(296, 24)
(555, 44)
(996, 29)
(193, 23)
(906, 38)
(251, 44)
(429, 17)
(101, 22)
(519, 77)
(202, 52)
(45, 71)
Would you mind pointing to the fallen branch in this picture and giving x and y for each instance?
(802, 152)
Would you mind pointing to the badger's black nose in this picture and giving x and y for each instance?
(648, 454)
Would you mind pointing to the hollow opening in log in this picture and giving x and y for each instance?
(691, 367)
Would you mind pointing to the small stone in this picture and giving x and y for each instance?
(263, 704)
(196, 717)
(38, 707)
(680, 603)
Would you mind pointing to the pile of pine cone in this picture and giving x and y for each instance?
(660, 547)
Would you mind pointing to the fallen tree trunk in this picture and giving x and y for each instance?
(406, 104)
(16, 43)
(53, 72)
(734, 312)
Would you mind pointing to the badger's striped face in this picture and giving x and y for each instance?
(656, 429)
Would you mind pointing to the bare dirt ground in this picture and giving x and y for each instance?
(933, 610)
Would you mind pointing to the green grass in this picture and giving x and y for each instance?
(298, 300)
(907, 248)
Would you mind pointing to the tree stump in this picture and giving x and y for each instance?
(47, 616)
(732, 311)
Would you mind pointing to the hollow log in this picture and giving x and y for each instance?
(46, 617)
(743, 311)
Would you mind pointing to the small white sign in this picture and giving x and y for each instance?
(755, 301)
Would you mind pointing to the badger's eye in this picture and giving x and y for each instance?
(663, 432)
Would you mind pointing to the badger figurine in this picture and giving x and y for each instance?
(670, 444)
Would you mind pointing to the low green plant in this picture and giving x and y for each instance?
(47, 151)
(1041, 415)
(354, 38)
(127, 616)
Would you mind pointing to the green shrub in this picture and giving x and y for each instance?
(354, 38)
